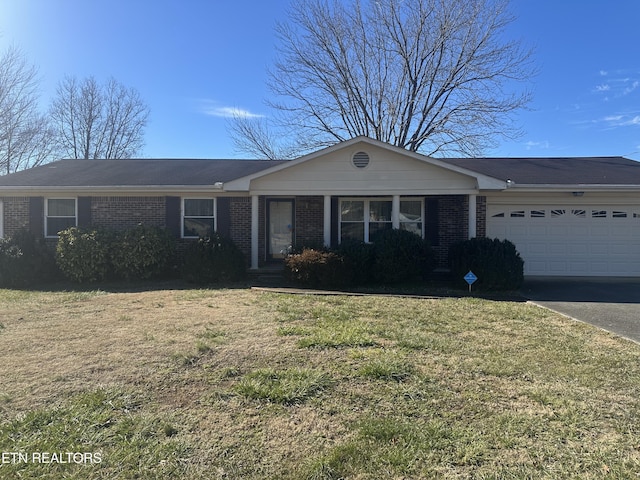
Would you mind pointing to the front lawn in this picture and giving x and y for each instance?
(242, 384)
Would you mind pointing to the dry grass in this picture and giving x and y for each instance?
(354, 387)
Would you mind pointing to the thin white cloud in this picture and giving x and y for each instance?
(603, 88)
(603, 73)
(530, 145)
(231, 112)
(631, 88)
(622, 120)
(214, 109)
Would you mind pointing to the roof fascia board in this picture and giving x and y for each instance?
(571, 187)
(114, 188)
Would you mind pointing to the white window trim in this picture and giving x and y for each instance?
(182, 215)
(367, 211)
(46, 213)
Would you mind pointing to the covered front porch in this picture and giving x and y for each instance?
(280, 223)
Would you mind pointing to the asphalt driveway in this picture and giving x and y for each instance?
(612, 304)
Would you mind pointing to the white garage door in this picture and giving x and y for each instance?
(571, 240)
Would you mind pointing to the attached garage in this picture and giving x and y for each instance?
(566, 216)
(571, 240)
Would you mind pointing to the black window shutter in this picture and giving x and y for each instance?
(172, 215)
(335, 218)
(36, 216)
(432, 224)
(223, 222)
(84, 212)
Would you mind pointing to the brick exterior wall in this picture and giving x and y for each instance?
(16, 214)
(121, 213)
(240, 228)
(309, 220)
(126, 212)
(481, 216)
(453, 221)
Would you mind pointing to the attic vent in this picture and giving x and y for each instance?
(361, 159)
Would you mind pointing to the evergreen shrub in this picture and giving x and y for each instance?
(142, 252)
(496, 263)
(25, 261)
(213, 259)
(83, 254)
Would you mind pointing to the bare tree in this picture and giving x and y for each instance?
(434, 76)
(94, 121)
(25, 135)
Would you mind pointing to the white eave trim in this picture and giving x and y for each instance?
(572, 188)
(218, 187)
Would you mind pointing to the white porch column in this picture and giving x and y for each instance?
(327, 221)
(255, 231)
(472, 216)
(395, 212)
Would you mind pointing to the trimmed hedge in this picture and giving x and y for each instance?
(92, 255)
(496, 263)
(394, 256)
(25, 261)
(317, 268)
(213, 259)
(142, 252)
(83, 255)
(401, 256)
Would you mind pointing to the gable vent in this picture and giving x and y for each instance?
(361, 159)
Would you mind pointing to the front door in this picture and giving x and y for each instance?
(280, 227)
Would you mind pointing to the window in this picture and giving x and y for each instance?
(60, 214)
(379, 216)
(411, 216)
(361, 219)
(198, 217)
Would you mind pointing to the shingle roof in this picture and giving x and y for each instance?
(201, 172)
(555, 171)
(137, 172)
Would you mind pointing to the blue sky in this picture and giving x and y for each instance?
(195, 60)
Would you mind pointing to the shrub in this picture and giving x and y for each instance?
(496, 263)
(213, 259)
(359, 259)
(83, 255)
(400, 255)
(25, 260)
(142, 252)
(317, 268)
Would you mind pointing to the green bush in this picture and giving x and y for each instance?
(496, 263)
(142, 252)
(359, 259)
(317, 268)
(400, 256)
(83, 255)
(25, 261)
(213, 259)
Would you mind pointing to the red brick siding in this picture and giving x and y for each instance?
(16, 214)
(481, 216)
(240, 228)
(121, 213)
(309, 221)
(453, 223)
